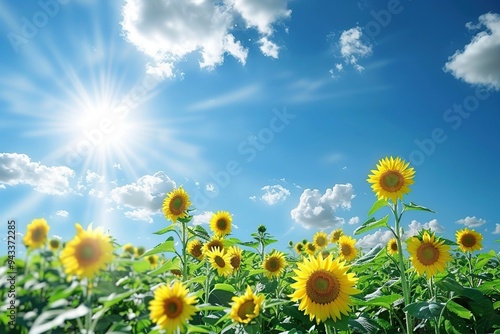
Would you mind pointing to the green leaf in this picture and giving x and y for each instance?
(368, 257)
(413, 206)
(364, 324)
(253, 244)
(169, 228)
(198, 329)
(424, 310)
(166, 246)
(200, 232)
(377, 205)
(269, 241)
(170, 264)
(382, 301)
(458, 309)
(53, 319)
(372, 223)
(224, 287)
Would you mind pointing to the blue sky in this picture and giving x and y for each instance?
(275, 111)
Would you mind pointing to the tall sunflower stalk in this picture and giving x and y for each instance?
(390, 181)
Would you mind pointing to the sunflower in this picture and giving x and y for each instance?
(139, 251)
(220, 223)
(89, 252)
(129, 249)
(392, 246)
(176, 204)
(213, 244)
(336, 234)
(347, 251)
(234, 253)
(323, 287)
(299, 247)
(428, 255)
(274, 264)
(391, 178)
(172, 307)
(310, 248)
(195, 248)
(469, 240)
(54, 244)
(246, 307)
(153, 260)
(36, 235)
(220, 261)
(320, 240)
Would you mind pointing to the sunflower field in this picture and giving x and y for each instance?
(206, 281)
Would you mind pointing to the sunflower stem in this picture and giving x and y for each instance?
(402, 268)
(469, 261)
(328, 329)
(184, 253)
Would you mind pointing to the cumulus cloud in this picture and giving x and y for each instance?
(319, 210)
(497, 229)
(471, 221)
(62, 213)
(415, 227)
(371, 240)
(202, 218)
(93, 177)
(478, 62)
(354, 220)
(352, 48)
(18, 169)
(144, 197)
(274, 194)
(168, 31)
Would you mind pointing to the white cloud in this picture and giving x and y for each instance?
(168, 31)
(117, 166)
(274, 194)
(319, 210)
(497, 229)
(354, 221)
(237, 95)
(2, 186)
(210, 187)
(478, 62)
(253, 198)
(416, 227)
(352, 47)
(62, 213)
(16, 169)
(202, 218)
(145, 196)
(268, 48)
(93, 177)
(371, 240)
(471, 221)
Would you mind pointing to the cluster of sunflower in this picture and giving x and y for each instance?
(321, 280)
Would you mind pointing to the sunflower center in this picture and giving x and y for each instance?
(311, 247)
(196, 251)
(215, 244)
(222, 224)
(320, 241)
(220, 261)
(37, 235)
(54, 243)
(273, 264)
(88, 252)
(322, 287)
(392, 181)
(468, 240)
(246, 309)
(346, 250)
(427, 254)
(176, 205)
(172, 307)
(235, 261)
(394, 246)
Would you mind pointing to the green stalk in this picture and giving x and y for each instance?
(184, 253)
(402, 268)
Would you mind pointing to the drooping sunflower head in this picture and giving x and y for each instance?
(235, 254)
(274, 264)
(392, 246)
(469, 240)
(176, 272)
(220, 261)
(299, 247)
(310, 248)
(153, 260)
(129, 249)
(89, 252)
(247, 307)
(36, 235)
(428, 254)
(214, 243)
(172, 307)
(195, 248)
(391, 179)
(54, 244)
(347, 250)
(335, 235)
(176, 204)
(323, 288)
(320, 240)
(220, 223)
